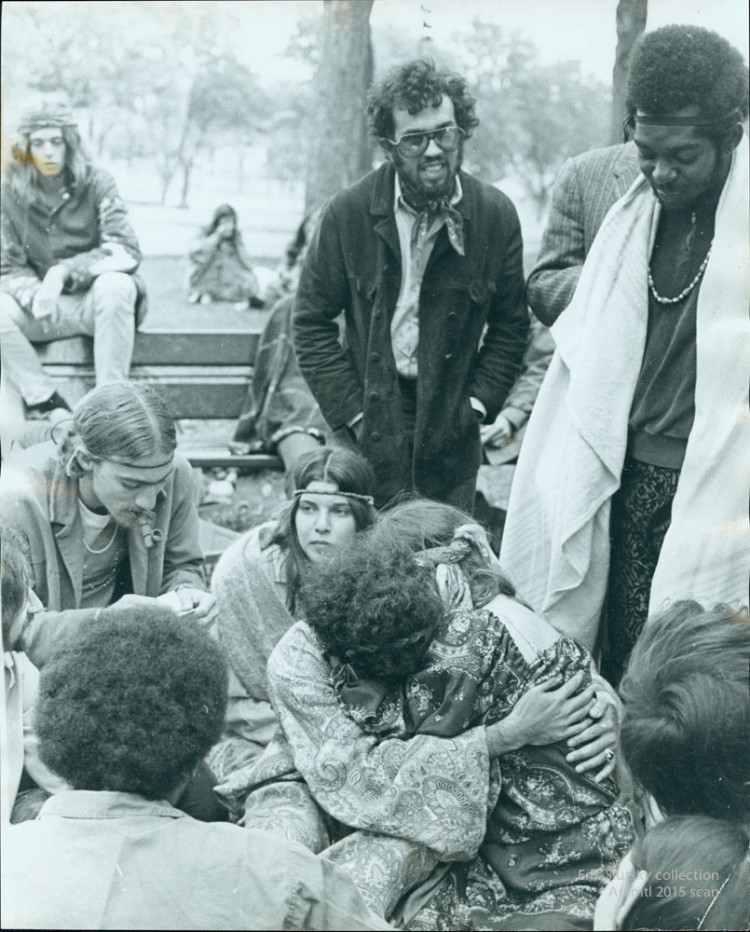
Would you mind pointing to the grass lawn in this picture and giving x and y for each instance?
(166, 279)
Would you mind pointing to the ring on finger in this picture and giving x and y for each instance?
(609, 754)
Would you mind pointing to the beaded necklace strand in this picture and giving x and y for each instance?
(685, 291)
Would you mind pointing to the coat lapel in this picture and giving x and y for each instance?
(65, 521)
(381, 207)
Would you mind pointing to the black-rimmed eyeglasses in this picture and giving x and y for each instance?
(411, 145)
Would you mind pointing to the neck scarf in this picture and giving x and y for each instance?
(439, 210)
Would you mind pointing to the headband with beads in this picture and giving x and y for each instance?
(367, 499)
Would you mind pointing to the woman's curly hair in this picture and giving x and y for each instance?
(682, 66)
(374, 608)
(132, 702)
(414, 86)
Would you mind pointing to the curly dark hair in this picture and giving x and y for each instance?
(414, 86)
(687, 716)
(132, 702)
(374, 608)
(682, 66)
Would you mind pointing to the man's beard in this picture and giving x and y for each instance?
(414, 192)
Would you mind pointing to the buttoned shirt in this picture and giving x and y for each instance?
(414, 258)
(105, 860)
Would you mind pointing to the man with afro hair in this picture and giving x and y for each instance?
(425, 264)
(631, 490)
(126, 711)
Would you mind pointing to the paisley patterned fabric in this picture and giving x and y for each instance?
(407, 768)
(554, 835)
(432, 791)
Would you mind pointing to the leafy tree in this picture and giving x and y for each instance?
(168, 89)
(533, 116)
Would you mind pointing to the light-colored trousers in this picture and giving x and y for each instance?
(106, 312)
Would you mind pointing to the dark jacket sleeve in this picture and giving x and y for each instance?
(322, 295)
(553, 281)
(183, 557)
(17, 277)
(507, 331)
(114, 228)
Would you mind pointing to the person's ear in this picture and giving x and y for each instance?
(386, 146)
(653, 813)
(734, 137)
(85, 460)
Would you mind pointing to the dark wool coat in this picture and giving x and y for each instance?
(354, 265)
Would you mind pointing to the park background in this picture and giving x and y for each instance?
(260, 104)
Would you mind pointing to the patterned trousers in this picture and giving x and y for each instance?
(641, 515)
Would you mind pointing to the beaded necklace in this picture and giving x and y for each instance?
(685, 291)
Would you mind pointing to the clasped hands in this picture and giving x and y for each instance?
(551, 712)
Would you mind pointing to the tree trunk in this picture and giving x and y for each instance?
(341, 151)
(631, 22)
(166, 176)
(187, 169)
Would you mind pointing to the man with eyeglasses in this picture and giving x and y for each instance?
(425, 263)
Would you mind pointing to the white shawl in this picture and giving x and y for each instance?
(556, 538)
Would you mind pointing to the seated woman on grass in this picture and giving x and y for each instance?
(220, 268)
(436, 728)
(256, 584)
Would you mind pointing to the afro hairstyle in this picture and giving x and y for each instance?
(682, 66)
(132, 702)
(374, 608)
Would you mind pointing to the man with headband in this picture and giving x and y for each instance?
(68, 254)
(631, 489)
(424, 262)
(105, 515)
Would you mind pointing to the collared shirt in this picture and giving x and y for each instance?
(414, 258)
(104, 860)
